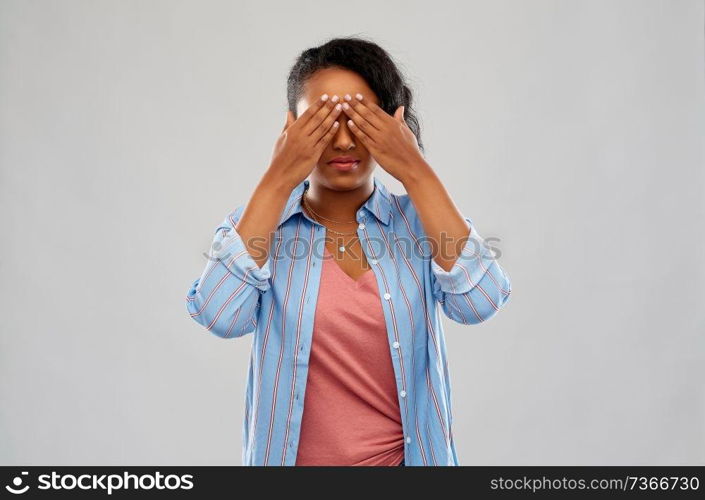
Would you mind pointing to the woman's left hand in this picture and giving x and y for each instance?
(389, 139)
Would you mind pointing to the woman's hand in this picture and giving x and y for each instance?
(388, 138)
(303, 140)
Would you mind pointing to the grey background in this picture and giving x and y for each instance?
(571, 130)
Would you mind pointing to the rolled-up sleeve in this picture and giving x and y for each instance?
(476, 287)
(225, 299)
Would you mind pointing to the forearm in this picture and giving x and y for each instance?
(443, 223)
(261, 215)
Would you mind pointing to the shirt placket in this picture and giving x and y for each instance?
(304, 351)
(377, 265)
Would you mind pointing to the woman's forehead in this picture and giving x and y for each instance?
(335, 81)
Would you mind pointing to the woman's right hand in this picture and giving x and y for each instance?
(303, 140)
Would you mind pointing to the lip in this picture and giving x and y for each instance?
(343, 159)
(344, 165)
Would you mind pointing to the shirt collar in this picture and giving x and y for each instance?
(379, 203)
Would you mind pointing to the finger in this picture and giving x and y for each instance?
(323, 141)
(313, 108)
(289, 120)
(359, 133)
(372, 113)
(315, 121)
(327, 123)
(359, 120)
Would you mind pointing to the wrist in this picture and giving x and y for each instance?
(274, 180)
(416, 173)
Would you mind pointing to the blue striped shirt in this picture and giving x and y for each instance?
(234, 296)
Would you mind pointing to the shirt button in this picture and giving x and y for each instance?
(395, 345)
(402, 394)
(361, 226)
(387, 296)
(408, 439)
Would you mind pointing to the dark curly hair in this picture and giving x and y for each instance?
(365, 58)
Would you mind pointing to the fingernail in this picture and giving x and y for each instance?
(359, 97)
(324, 97)
(337, 107)
(346, 105)
(347, 97)
(335, 98)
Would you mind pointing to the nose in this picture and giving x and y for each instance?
(343, 139)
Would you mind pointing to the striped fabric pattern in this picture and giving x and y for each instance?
(277, 304)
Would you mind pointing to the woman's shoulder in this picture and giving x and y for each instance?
(405, 218)
(402, 202)
(404, 209)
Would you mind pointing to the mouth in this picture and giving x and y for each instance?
(344, 165)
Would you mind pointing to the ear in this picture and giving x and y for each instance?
(399, 114)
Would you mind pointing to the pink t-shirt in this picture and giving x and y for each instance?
(351, 409)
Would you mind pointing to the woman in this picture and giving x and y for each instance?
(332, 274)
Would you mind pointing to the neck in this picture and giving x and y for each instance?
(338, 205)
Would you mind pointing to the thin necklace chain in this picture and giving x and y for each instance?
(339, 248)
(319, 215)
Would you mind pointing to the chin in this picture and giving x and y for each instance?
(340, 181)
